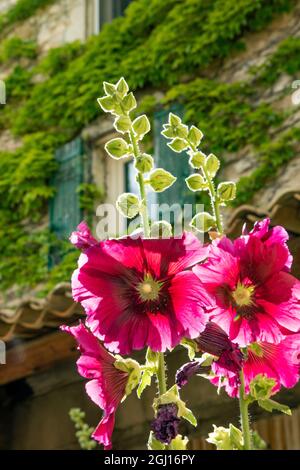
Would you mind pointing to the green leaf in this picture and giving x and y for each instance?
(191, 347)
(197, 159)
(129, 102)
(203, 222)
(195, 136)
(109, 88)
(178, 145)
(160, 180)
(122, 87)
(270, 405)
(154, 444)
(122, 124)
(196, 183)
(168, 131)
(128, 205)
(174, 120)
(117, 148)
(107, 103)
(212, 165)
(145, 382)
(141, 125)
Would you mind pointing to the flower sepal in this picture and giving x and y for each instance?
(133, 369)
(154, 444)
(261, 389)
(179, 443)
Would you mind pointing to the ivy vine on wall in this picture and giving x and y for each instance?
(48, 112)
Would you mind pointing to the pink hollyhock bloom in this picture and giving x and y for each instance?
(82, 237)
(280, 362)
(139, 292)
(106, 385)
(252, 296)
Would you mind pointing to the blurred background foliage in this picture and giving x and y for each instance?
(158, 45)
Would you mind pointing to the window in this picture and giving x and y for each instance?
(65, 212)
(107, 10)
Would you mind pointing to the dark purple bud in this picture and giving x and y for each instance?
(214, 340)
(165, 425)
(188, 370)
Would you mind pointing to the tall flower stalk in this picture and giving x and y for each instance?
(232, 305)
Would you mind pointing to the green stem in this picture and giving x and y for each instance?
(161, 371)
(244, 414)
(213, 197)
(141, 183)
(161, 374)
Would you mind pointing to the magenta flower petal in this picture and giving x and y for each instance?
(252, 297)
(104, 430)
(280, 362)
(107, 384)
(136, 292)
(82, 237)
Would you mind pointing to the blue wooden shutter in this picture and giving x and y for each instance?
(176, 163)
(65, 212)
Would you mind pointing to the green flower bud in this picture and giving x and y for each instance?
(122, 87)
(129, 102)
(236, 437)
(161, 229)
(117, 148)
(220, 437)
(179, 443)
(178, 145)
(197, 159)
(109, 88)
(144, 163)
(195, 136)
(226, 191)
(196, 183)
(128, 205)
(203, 222)
(212, 164)
(122, 124)
(107, 103)
(141, 125)
(160, 180)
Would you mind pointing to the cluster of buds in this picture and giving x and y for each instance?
(83, 430)
(184, 138)
(120, 103)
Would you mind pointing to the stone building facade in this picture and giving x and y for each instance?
(35, 400)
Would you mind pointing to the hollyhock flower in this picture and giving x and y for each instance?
(252, 296)
(139, 292)
(107, 384)
(165, 425)
(280, 362)
(82, 237)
